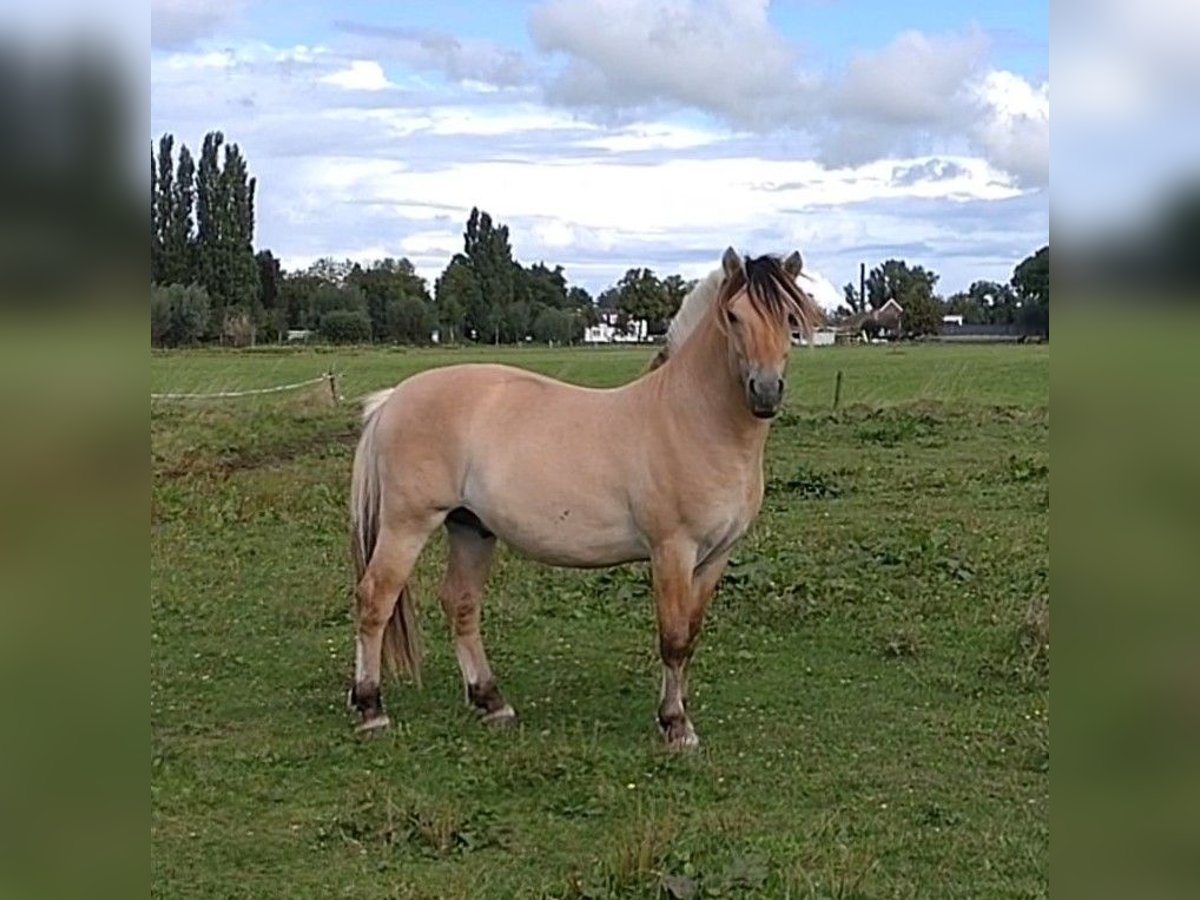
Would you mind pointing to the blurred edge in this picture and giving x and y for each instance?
(73, 483)
(1126, 374)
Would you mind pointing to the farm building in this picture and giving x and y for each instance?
(609, 331)
(822, 337)
(882, 323)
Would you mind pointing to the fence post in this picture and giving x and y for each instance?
(333, 387)
(837, 390)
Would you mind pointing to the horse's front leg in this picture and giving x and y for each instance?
(681, 595)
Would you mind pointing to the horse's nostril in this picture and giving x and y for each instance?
(753, 386)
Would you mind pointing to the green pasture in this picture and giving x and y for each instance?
(872, 686)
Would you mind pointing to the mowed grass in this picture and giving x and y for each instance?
(872, 686)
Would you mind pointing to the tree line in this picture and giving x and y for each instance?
(208, 283)
(1023, 301)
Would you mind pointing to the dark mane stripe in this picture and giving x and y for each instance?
(773, 292)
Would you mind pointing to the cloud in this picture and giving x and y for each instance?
(921, 93)
(915, 80)
(1013, 129)
(720, 56)
(931, 170)
(479, 62)
(346, 167)
(179, 23)
(360, 75)
(917, 94)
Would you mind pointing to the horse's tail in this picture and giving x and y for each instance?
(401, 640)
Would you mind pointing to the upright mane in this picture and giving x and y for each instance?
(770, 287)
(692, 309)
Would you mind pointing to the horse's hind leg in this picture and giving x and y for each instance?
(379, 590)
(470, 560)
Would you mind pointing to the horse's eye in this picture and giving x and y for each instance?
(733, 320)
(793, 322)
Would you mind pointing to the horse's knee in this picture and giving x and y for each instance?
(675, 645)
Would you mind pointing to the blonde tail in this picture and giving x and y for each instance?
(401, 638)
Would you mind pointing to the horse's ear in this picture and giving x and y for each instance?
(731, 262)
(793, 264)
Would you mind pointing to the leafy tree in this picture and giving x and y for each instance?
(383, 283)
(238, 328)
(896, 280)
(922, 315)
(1031, 277)
(329, 297)
(346, 326)
(455, 293)
(270, 275)
(640, 295)
(409, 320)
(487, 248)
(515, 321)
(609, 299)
(984, 303)
(546, 286)
(552, 325)
(1031, 282)
(296, 290)
(178, 242)
(179, 315)
(911, 287)
(162, 206)
(675, 288)
(579, 298)
(210, 211)
(853, 300)
(225, 262)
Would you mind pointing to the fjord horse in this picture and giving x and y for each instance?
(667, 468)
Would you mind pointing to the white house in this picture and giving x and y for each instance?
(822, 337)
(609, 331)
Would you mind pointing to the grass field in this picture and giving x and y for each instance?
(872, 686)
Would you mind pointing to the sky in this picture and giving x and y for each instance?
(609, 134)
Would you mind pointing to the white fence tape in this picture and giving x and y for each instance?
(222, 394)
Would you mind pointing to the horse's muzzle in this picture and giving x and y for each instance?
(765, 393)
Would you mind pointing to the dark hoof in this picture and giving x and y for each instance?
(367, 703)
(504, 717)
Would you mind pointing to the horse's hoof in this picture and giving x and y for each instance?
(680, 736)
(373, 724)
(504, 717)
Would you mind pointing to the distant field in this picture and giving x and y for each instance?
(872, 686)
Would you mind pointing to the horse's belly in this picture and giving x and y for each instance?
(561, 528)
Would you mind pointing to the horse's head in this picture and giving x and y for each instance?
(759, 308)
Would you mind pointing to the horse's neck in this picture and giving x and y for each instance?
(705, 393)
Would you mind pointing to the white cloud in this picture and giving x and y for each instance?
(651, 136)
(360, 75)
(821, 289)
(1014, 128)
(914, 80)
(722, 56)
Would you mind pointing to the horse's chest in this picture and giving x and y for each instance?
(726, 518)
